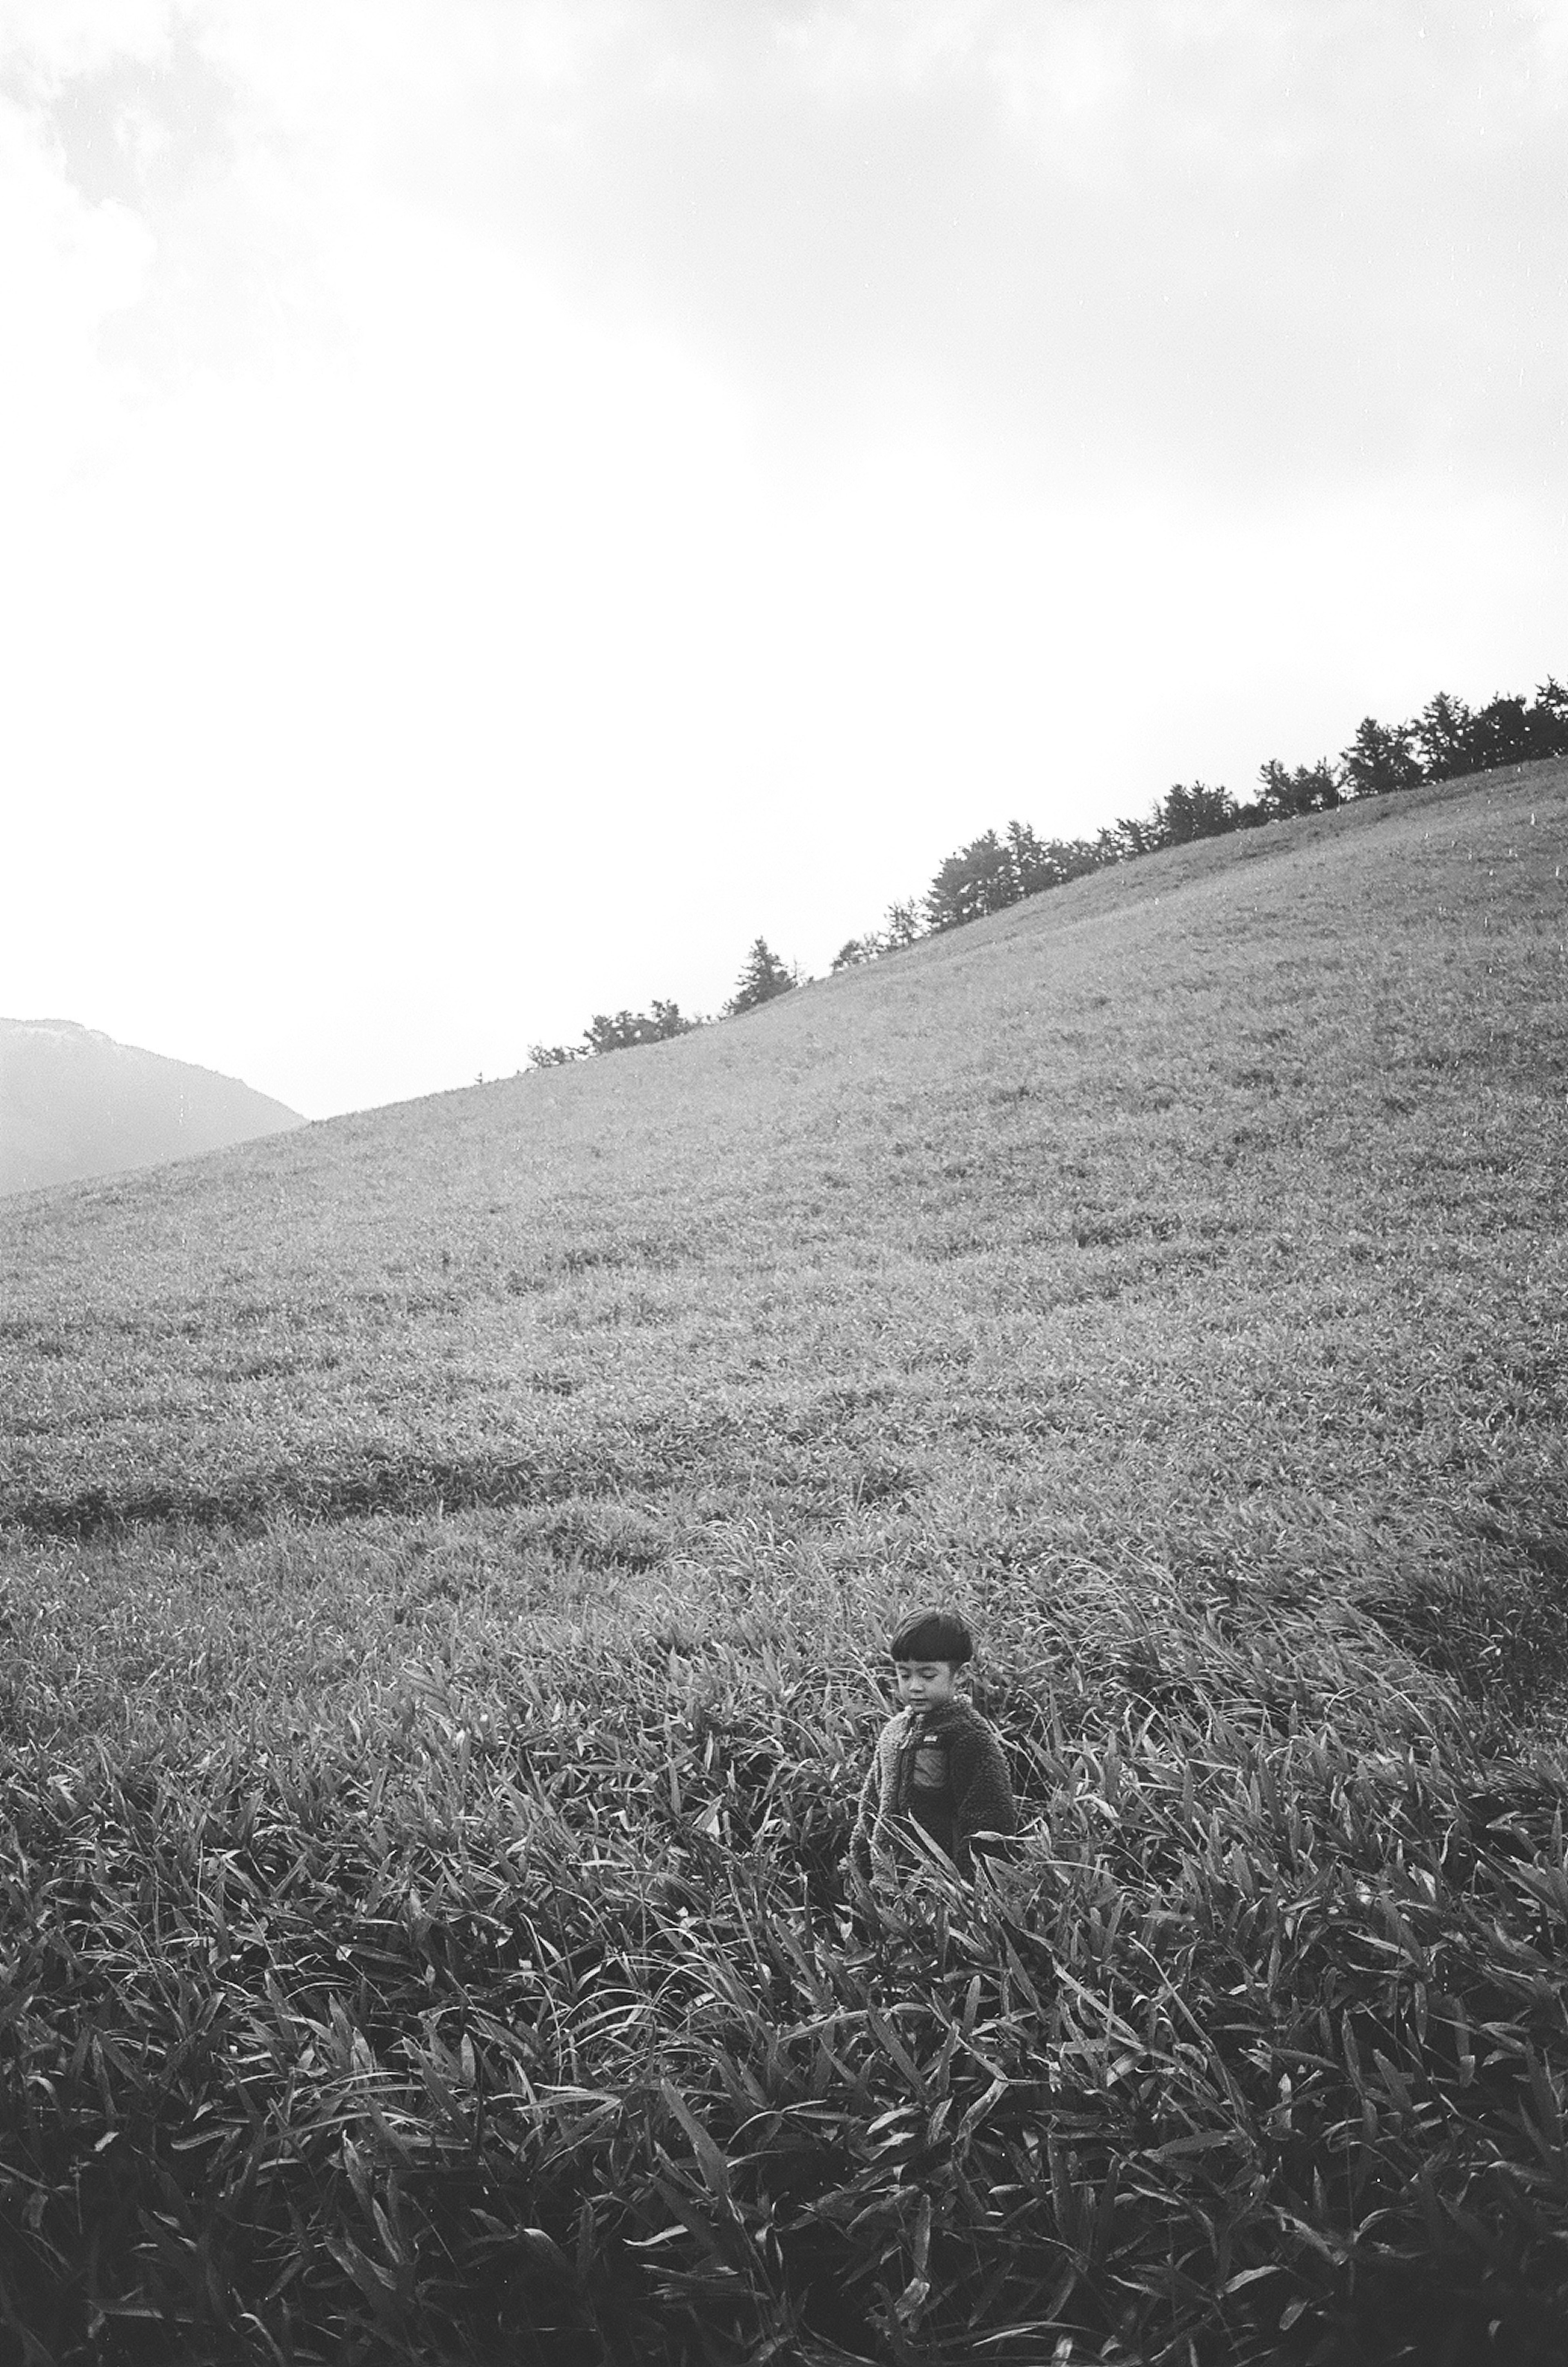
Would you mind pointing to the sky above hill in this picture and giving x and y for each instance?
(505, 500)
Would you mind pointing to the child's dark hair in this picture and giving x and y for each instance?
(933, 1635)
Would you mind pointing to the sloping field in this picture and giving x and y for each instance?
(445, 1552)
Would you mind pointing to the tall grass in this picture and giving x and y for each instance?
(552, 2034)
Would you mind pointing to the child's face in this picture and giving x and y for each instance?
(925, 1685)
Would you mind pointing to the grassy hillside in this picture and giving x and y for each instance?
(74, 1103)
(445, 1552)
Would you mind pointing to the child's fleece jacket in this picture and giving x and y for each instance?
(944, 1767)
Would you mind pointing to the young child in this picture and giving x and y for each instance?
(937, 1763)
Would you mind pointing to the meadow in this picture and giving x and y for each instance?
(445, 1555)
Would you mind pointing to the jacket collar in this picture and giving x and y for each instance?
(957, 1712)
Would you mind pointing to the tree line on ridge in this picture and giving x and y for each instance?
(1446, 741)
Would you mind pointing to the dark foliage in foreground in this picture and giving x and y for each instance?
(563, 2044)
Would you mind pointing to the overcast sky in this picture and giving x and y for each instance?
(501, 501)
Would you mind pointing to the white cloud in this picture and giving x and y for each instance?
(66, 266)
(44, 40)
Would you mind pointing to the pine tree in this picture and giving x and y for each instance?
(1128, 836)
(978, 879)
(1381, 759)
(1443, 732)
(628, 1028)
(1196, 810)
(1310, 788)
(763, 976)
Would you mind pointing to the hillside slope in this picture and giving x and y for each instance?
(1142, 1172)
(445, 1555)
(74, 1103)
(1210, 1209)
(1205, 1215)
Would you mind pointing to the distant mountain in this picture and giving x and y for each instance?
(74, 1103)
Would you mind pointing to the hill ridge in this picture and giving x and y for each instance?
(77, 1103)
